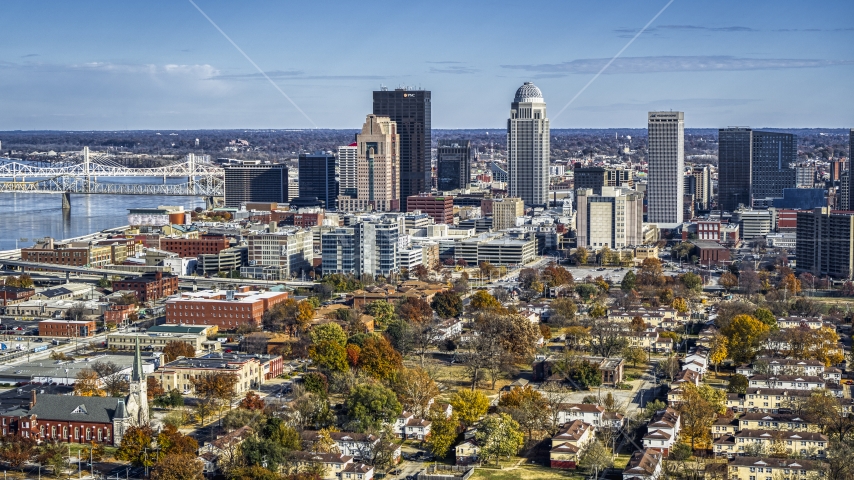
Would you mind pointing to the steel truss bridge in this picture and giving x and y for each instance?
(81, 174)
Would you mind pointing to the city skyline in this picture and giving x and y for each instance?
(771, 68)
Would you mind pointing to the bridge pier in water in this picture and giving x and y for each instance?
(66, 200)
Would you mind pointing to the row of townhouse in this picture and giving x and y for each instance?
(766, 468)
(663, 317)
(337, 466)
(651, 341)
(796, 321)
(758, 421)
(788, 366)
(777, 442)
(773, 400)
(589, 413)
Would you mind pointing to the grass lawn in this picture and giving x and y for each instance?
(524, 472)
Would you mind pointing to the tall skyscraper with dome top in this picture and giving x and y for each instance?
(528, 147)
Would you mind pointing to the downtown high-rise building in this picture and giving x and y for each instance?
(366, 247)
(612, 218)
(453, 164)
(666, 164)
(849, 205)
(411, 111)
(528, 147)
(377, 169)
(318, 178)
(348, 156)
(701, 186)
(754, 166)
(253, 181)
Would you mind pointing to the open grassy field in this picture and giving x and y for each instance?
(525, 472)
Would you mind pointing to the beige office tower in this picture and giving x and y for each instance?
(528, 147)
(613, 219)
(505, 211)
(377, 168)
(666, 165)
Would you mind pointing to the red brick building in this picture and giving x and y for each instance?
(66, 418)
(117, 314)
(226, 309)
(13, 295)
(787, 220)
(67, 328)
(710, 253)
(441, 209)
(150, 286)
(193, 247)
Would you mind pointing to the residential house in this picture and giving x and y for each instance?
(644, 465)
(662, 430)
(334, 463)
(569, 442)
(586, 412)
(357, 471)
(467, 452)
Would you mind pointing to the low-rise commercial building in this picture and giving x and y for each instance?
(73, 254)
(179, 375)
(67, 328)
(159, 341)
(497, 250)
(193, 247)
(226, 260)
(227, 309)
(12, 295)
(150, 286)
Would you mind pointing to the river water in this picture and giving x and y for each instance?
(33, 216)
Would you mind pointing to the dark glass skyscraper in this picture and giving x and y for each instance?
(255, 182)
(453, 158)
(318, 178)
(754, 166)
(734, 147)
(848, 204)
(410, 109)
(771, 170)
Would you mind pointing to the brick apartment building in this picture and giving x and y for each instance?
(117, 314)
(193, 247)
(74, 254)
(150, 286)
(228, 309)
(67, 328)
(441, 209)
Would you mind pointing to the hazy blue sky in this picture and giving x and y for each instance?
(160, 64)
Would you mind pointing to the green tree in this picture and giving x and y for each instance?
(563, 311)
(737, 384)
(692, 282)
(766, 316)
(634, 355)
(586, 291)
(330, 332)
(581, 256)
(745, 335)
(52, 454)
(329, 356)
(399, 333)
(652, 407)
(369, 406)
(382, 311)
(499, 436)
(595, 457)
(597, 311)
(469, 406)
(629, 282)
(447, 304)
(443, 432)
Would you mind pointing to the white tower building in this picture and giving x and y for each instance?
(666, 163)
(528, 147)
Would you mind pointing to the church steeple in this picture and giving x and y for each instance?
(137, 399)
(136, 374)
